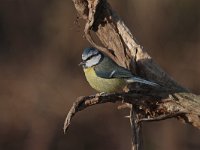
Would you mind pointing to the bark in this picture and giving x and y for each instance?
(147, 104)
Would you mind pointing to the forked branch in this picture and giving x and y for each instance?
(168, 100)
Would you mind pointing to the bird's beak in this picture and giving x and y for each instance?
(82, 63)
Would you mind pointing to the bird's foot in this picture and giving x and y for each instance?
(101, 94)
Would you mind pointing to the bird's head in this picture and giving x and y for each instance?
(91, 57)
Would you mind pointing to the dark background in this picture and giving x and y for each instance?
(40, 47)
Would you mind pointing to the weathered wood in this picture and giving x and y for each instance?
(168, 100)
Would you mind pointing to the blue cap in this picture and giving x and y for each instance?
(88, 52)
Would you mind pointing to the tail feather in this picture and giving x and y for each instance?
(140, 80)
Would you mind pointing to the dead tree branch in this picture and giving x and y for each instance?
(169, 100)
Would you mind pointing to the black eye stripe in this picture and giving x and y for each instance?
(92, 56)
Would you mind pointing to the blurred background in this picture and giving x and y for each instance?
(40, 48)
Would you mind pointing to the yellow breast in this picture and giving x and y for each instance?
(102, 84)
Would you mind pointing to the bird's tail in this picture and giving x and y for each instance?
(140, 80)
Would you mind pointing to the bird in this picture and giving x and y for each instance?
(106, 76)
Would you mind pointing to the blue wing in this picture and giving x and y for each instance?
(109, 69)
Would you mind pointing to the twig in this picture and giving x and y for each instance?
(162, 117)
(142, 102)
(136, 131)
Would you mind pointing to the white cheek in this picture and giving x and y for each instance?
(95, 60)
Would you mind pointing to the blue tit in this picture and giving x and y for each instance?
(104, 75)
